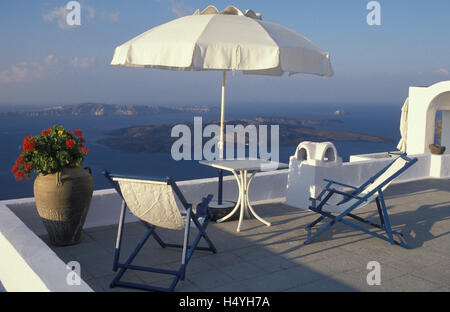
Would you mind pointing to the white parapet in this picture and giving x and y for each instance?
(27, 263)
(105, 204)
(440, 166)
(306, 176)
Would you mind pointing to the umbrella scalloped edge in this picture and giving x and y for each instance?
(229, 10)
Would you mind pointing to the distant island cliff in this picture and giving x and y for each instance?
(292, 131)
(102, 109)
(157, 138)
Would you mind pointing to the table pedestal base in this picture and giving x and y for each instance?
(243, 201)
(220, 211)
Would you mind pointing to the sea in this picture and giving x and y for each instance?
(374, 119)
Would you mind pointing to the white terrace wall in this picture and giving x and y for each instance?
(105, 204)
(424, 102)
(266, 187)
(307, 179)
(26, 262)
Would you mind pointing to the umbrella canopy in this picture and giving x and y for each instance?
(226, 40)
(403, 127)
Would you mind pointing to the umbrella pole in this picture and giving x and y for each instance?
(222, 138)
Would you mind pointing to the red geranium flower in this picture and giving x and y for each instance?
(50, 151)
(28, 144)
(19, 175)
(28, 166)
(19, 159)
(84, 150)
(70, 143)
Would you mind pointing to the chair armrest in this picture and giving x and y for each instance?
(404, 156)
(207, 199)
(313, 201)
(396, 153)
(345, 194)
(203, 207)
(331, 191)
(330, 182)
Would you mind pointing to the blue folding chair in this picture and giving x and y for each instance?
(356, 198)
(158, 203)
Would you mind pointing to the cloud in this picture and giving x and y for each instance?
(111, 16)
(50, 60)
(49, 66)
(21, 72)
(57, 15)
(179, 8)
(442, 72)
(82, 63)
(89, 11)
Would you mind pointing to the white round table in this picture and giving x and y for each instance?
(244, 171)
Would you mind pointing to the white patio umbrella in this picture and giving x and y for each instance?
(403, 127)
(226, 40)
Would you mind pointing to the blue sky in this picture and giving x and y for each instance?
(44, 62)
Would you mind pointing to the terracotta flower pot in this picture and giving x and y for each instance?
(62, 201)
